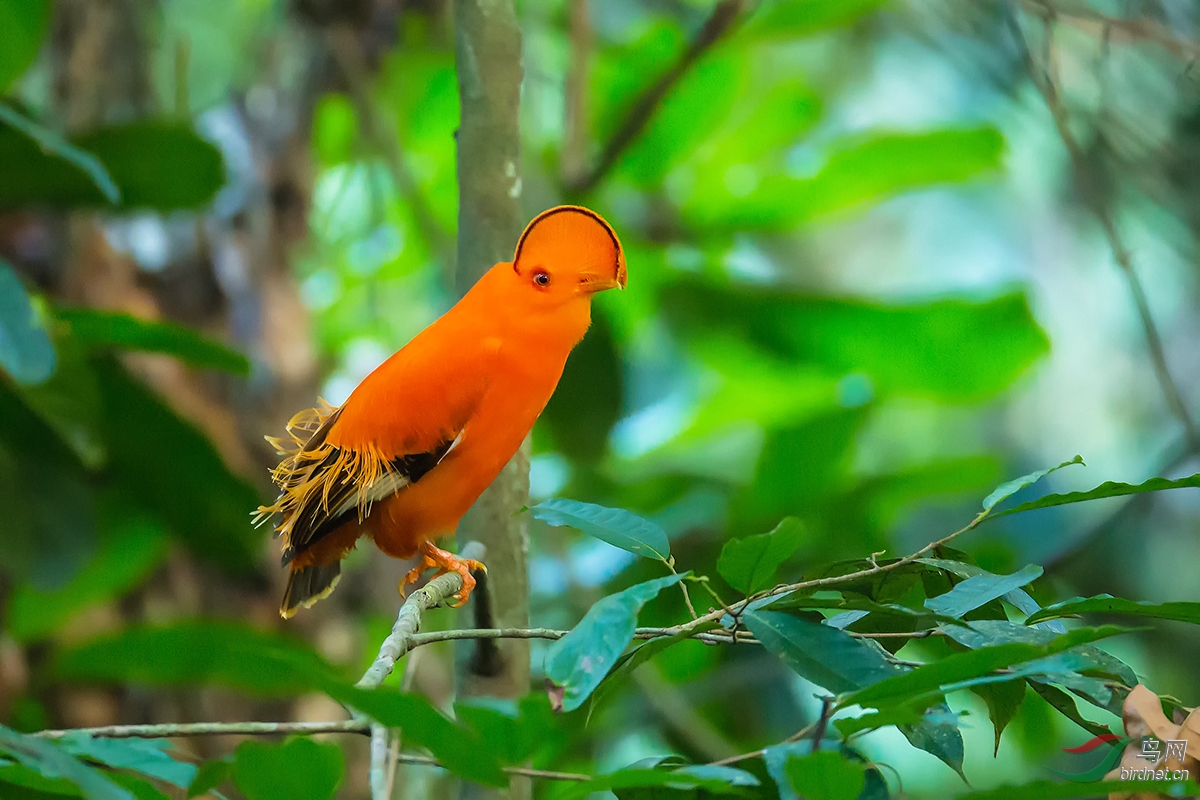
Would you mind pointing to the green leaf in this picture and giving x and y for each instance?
(730, 775)
(154, 164)
(640, 655)
(828, 657)
(1007, 490)
(25, 23)
(579, 661)
(1107, 604)
(726, 780)
(1003, 701)
(49, 524)
(616, 526)
(15, 775)
(1018, 597)
(878, 611)
(776, 758)
(460, 750)
(980, 590)
(987, 632)
(131, 548)
(142, 789)
(198, 653)
(955, 669)
(749, 564)
(826, 776)
(857, 171)
(69, 403)
(926, 349)
(1104, 490)
(209, 777)
(113, 329)
(897, 715)
(26, 352)
(702, 99)
(1048, 790)
(298, 769)
(940, 739)
(792, 19)
(147, 756)
(159, 164)
(52, 762)
(515, 730)
(41, 166)
(243, 658)
(1065, 705)
(335, 129)
(166, 466)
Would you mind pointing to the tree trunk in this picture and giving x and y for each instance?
(488, 52)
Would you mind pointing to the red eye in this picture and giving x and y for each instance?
(541, 278)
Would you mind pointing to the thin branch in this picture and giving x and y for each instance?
(708, 637)
(406, 684)
(827, 704)
(408, 620)
(173, 731)
(397, 644)
(1043, 81)
(724, 15)
(189, 729)
(379, 761)
(739, 607)
(1121, 29)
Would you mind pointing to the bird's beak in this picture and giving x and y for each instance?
(603, 285)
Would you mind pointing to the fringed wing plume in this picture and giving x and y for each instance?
(321, 486)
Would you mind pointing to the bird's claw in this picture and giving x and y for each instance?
(445, 562)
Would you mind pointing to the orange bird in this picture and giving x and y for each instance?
(423, 435)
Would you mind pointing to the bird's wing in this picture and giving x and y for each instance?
(399, 424)
(322, 486)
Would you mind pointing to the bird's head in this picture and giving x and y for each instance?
(569, 252)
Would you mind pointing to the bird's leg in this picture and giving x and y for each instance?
(415, 573)
(448, 562)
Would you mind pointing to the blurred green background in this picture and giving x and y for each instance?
(868, 281)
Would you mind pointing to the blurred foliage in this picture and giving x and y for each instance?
(863, 290)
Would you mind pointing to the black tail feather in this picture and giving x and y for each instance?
(307, 585)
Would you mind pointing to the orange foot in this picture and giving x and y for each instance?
(433, 556)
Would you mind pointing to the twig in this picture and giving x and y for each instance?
(379, 761)
(720, 22)
(1046, 87)
(408, 621)
(739, 607)
(1125, 30)
(708, 637)
(827, 703)
(395, 646)
(795, 737)
(406, 684)
(178, 730)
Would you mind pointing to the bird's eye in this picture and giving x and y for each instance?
(541, 278)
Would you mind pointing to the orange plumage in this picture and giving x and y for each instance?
(424, 434)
